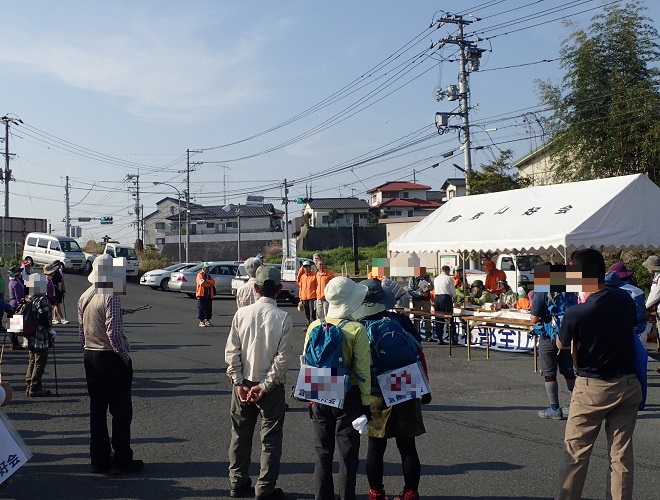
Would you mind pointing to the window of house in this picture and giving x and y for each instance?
(231, 224)
(364, 216)
(406, 194)
(160, 225)
(160, 241)
(171, 209)
(411, 213)
(210, 225)
(390, 194)
(325, 219)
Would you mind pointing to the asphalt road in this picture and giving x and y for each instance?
(483, 437)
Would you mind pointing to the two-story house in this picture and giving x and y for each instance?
(454, 186)
(401, 199)
(335, 212)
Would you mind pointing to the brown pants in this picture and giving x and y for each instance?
(616, 402)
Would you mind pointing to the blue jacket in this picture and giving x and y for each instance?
(612, 280)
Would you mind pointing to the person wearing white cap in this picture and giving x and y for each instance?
(256, 355)
(108, 367)
(247, 294)
(334, 425)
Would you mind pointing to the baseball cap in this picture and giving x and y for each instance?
(265, 273)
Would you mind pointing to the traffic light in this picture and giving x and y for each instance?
(300, 201)
(106, 220)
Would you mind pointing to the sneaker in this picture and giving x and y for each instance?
(550, 413)
(377, 494)
(565, 410)
(55, 321)
(39, 394)
(130, 468)
(277, 494)
(202, 323)
(407, 495)
(64, 321)
(207, 323)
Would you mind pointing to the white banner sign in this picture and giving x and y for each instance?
(322, 385)
(13, 452)
(401, 385)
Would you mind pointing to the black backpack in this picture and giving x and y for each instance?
(30, 318)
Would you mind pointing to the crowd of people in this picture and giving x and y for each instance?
(593, 349)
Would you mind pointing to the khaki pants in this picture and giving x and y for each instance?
(616, 402)
(271, 409)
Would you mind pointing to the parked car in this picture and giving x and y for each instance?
(160, 278)
(222, 271)
(41, 249)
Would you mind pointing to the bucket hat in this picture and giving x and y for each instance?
(620, 269)
(652, 263)
(344, 296)
(378, 299)
(50, 268)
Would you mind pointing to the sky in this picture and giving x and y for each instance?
(335, 97)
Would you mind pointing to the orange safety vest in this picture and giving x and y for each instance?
(208, 282)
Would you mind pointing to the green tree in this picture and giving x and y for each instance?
(496, 176)
(333, 215)
(604, 119)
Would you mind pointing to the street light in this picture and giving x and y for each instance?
(179, 195)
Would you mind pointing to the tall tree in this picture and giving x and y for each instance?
(605, 113)
(496, 176)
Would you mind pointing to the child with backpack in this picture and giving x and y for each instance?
(395, 343)
(334, 425)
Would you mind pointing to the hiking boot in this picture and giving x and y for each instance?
(277, 494)
(550, 413)
(130, 468)
(242, 491)
(39, 394)
(202, 323)
(407, 495)
(377, 494)
(565, 410)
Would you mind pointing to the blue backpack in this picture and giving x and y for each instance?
(323, 349)
(392, 347)
(557, 304)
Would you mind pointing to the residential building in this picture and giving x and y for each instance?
(537, 166)
(335, 212)
(453, 186)
(401, 199)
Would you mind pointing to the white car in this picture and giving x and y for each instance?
(160, 278)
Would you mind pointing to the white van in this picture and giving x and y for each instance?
(41, 249)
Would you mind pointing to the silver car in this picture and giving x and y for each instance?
(160, 278)
(221, 271)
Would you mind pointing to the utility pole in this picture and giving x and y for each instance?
(188, 151)
(67, 213)
(7, 174)
(136, 195)
(468, 53)
(285, 200)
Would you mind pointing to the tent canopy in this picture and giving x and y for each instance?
(614, 213)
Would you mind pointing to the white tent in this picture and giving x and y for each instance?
(614, 213)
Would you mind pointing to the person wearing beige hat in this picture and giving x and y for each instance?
(333, 426)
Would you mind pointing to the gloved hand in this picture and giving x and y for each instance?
(366, 411)
(426, 398)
